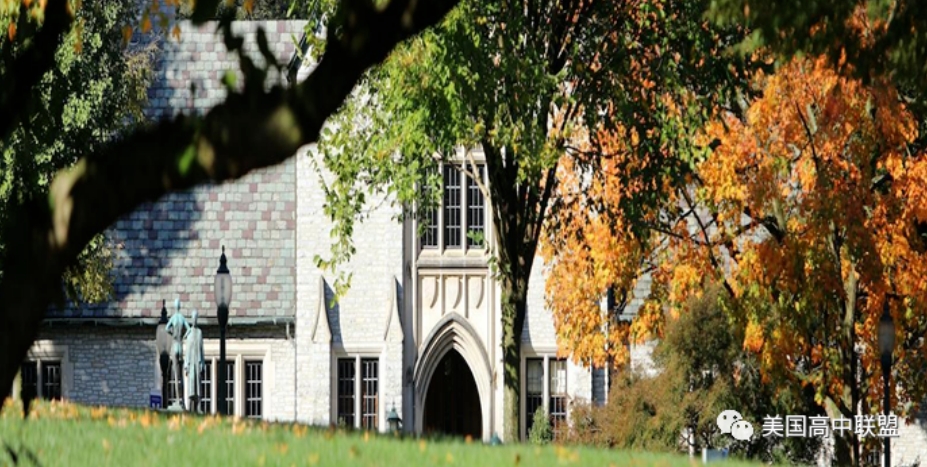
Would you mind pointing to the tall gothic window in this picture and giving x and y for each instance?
(534, 390)
(370, 388)
(476, 210)
(346, 392)
(174, 387)
(254, 401)
(452, 207)
(205, 402)
(552, 396)
(461, 219)
(430, 220)
(358, 386)
(230, 386)
(246, 385)
(558, 394)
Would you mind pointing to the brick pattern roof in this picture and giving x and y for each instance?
(171, 248)
(188, 76)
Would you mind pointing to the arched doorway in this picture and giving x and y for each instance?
(452, 406)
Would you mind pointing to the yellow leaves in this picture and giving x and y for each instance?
(207, 423)
(239, 427)
(566, 455)
(146, 23)
(753, 338)
(175, 423)
(175, 32)
(98, 413)
(249, 6)
(148, 419)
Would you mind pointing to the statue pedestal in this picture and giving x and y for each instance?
(175, 407)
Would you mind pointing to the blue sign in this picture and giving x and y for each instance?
(154, 401)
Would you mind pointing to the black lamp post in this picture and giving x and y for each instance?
(886, 346)
(223, 292)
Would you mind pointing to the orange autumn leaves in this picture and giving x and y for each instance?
(800, 179)
(808, 203)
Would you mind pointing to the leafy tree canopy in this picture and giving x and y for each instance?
(809, 211)
(95, 89)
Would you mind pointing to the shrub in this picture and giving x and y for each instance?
(541, 431)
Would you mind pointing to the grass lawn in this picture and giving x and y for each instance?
(70, 434)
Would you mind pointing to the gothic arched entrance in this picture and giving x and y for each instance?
(452, 406)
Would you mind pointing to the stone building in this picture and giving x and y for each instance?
(418, 331)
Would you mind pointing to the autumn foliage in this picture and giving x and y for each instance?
(810, 208)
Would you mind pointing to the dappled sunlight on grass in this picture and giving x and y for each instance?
(59, 433)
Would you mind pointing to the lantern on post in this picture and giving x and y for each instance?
(394, 421)
(223, 291)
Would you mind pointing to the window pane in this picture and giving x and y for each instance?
(452, 193)
(205, 403)
(51, 380)
(230, 386)
(30, 380)
(253, 389)
(558, 377)
(558, 398)
(475, 210)
(429, 218)
(370, 401)
(534, 389)
(346, 392)
(174, 387)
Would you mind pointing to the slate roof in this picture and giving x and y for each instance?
(171, 248)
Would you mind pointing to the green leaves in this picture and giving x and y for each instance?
(87, 98)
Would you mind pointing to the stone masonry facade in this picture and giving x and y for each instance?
(170, 249)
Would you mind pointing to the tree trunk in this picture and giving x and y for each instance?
(514, 309)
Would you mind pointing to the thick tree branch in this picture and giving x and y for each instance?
(248, 131)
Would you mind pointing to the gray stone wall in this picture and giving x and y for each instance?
(117, 366)
(282, 406)
(539, 326)
(910, 447)
(358, 321)
(103, 365)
